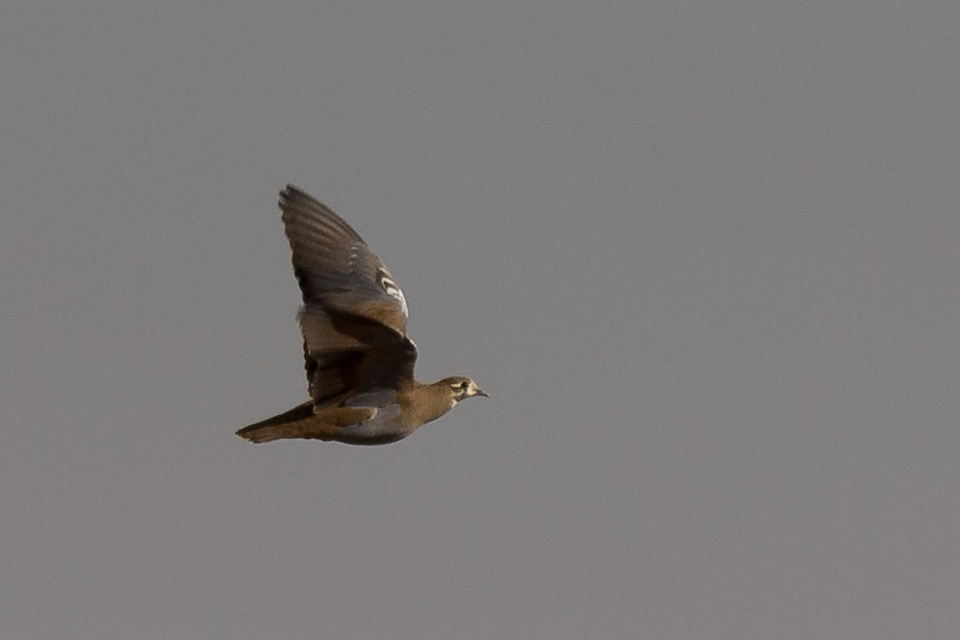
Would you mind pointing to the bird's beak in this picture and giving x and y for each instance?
(481, 393)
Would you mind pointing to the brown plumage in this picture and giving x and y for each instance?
(359, 360)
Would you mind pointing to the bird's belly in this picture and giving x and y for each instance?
(383, 428)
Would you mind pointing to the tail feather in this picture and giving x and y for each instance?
(304, 422)
(289, 424)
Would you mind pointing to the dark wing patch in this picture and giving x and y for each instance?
(349, 355)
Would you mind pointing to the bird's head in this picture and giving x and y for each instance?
(460, 388)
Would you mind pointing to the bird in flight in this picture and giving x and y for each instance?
(359, 360)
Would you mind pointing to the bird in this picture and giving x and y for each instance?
(358, 359)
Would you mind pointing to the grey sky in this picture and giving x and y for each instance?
(702, 255)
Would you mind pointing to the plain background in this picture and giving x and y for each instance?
(703, 256)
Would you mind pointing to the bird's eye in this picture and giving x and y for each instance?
(464, 385)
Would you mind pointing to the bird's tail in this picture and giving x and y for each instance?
(288, 424)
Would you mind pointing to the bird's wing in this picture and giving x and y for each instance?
(354, 318)
(379, 398)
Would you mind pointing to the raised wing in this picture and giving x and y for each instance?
(354, 318)
(335, 267)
